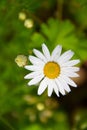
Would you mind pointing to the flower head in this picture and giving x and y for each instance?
(52, 70)
(21, 60)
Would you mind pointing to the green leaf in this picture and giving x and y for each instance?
(79, 8)
(60, 32)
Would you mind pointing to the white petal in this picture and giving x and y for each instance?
(50, 87)
(69, 81)
(60, 87)
(36, 80)
(33, 75)
(64, 84)
(55, 88)
(56, 53)
(35, 60)
(43, 86)
(39, 55)
(33, 67)
(69, 74)
(71, 63)
(46, 51)
(73, 69)
(65, 56)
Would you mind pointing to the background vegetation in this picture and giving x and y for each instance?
(24, 25)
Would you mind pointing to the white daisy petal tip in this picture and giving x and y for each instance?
(39, 93)
(43, 44)
(35, 51)
(78, 76)
(69, 91)
(70, 52)
(78, 68)
(25, 77)
(78, 61)
(30, 56)
(28, 84)
(75, 86)
(57, 94)
(26, 66)
(49, 94)
(60, 46)
(63, 93)
(46, 52)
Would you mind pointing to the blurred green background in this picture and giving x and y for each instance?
(24, 25)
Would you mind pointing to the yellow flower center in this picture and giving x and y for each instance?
(51, 70)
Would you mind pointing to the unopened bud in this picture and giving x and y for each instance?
(21, 60)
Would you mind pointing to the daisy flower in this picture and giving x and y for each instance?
(53, 71)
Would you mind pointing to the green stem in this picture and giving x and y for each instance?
(59, 11)
(6, 123)
(33, 16)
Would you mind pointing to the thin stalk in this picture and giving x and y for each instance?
(59, 11)
(6, 123)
